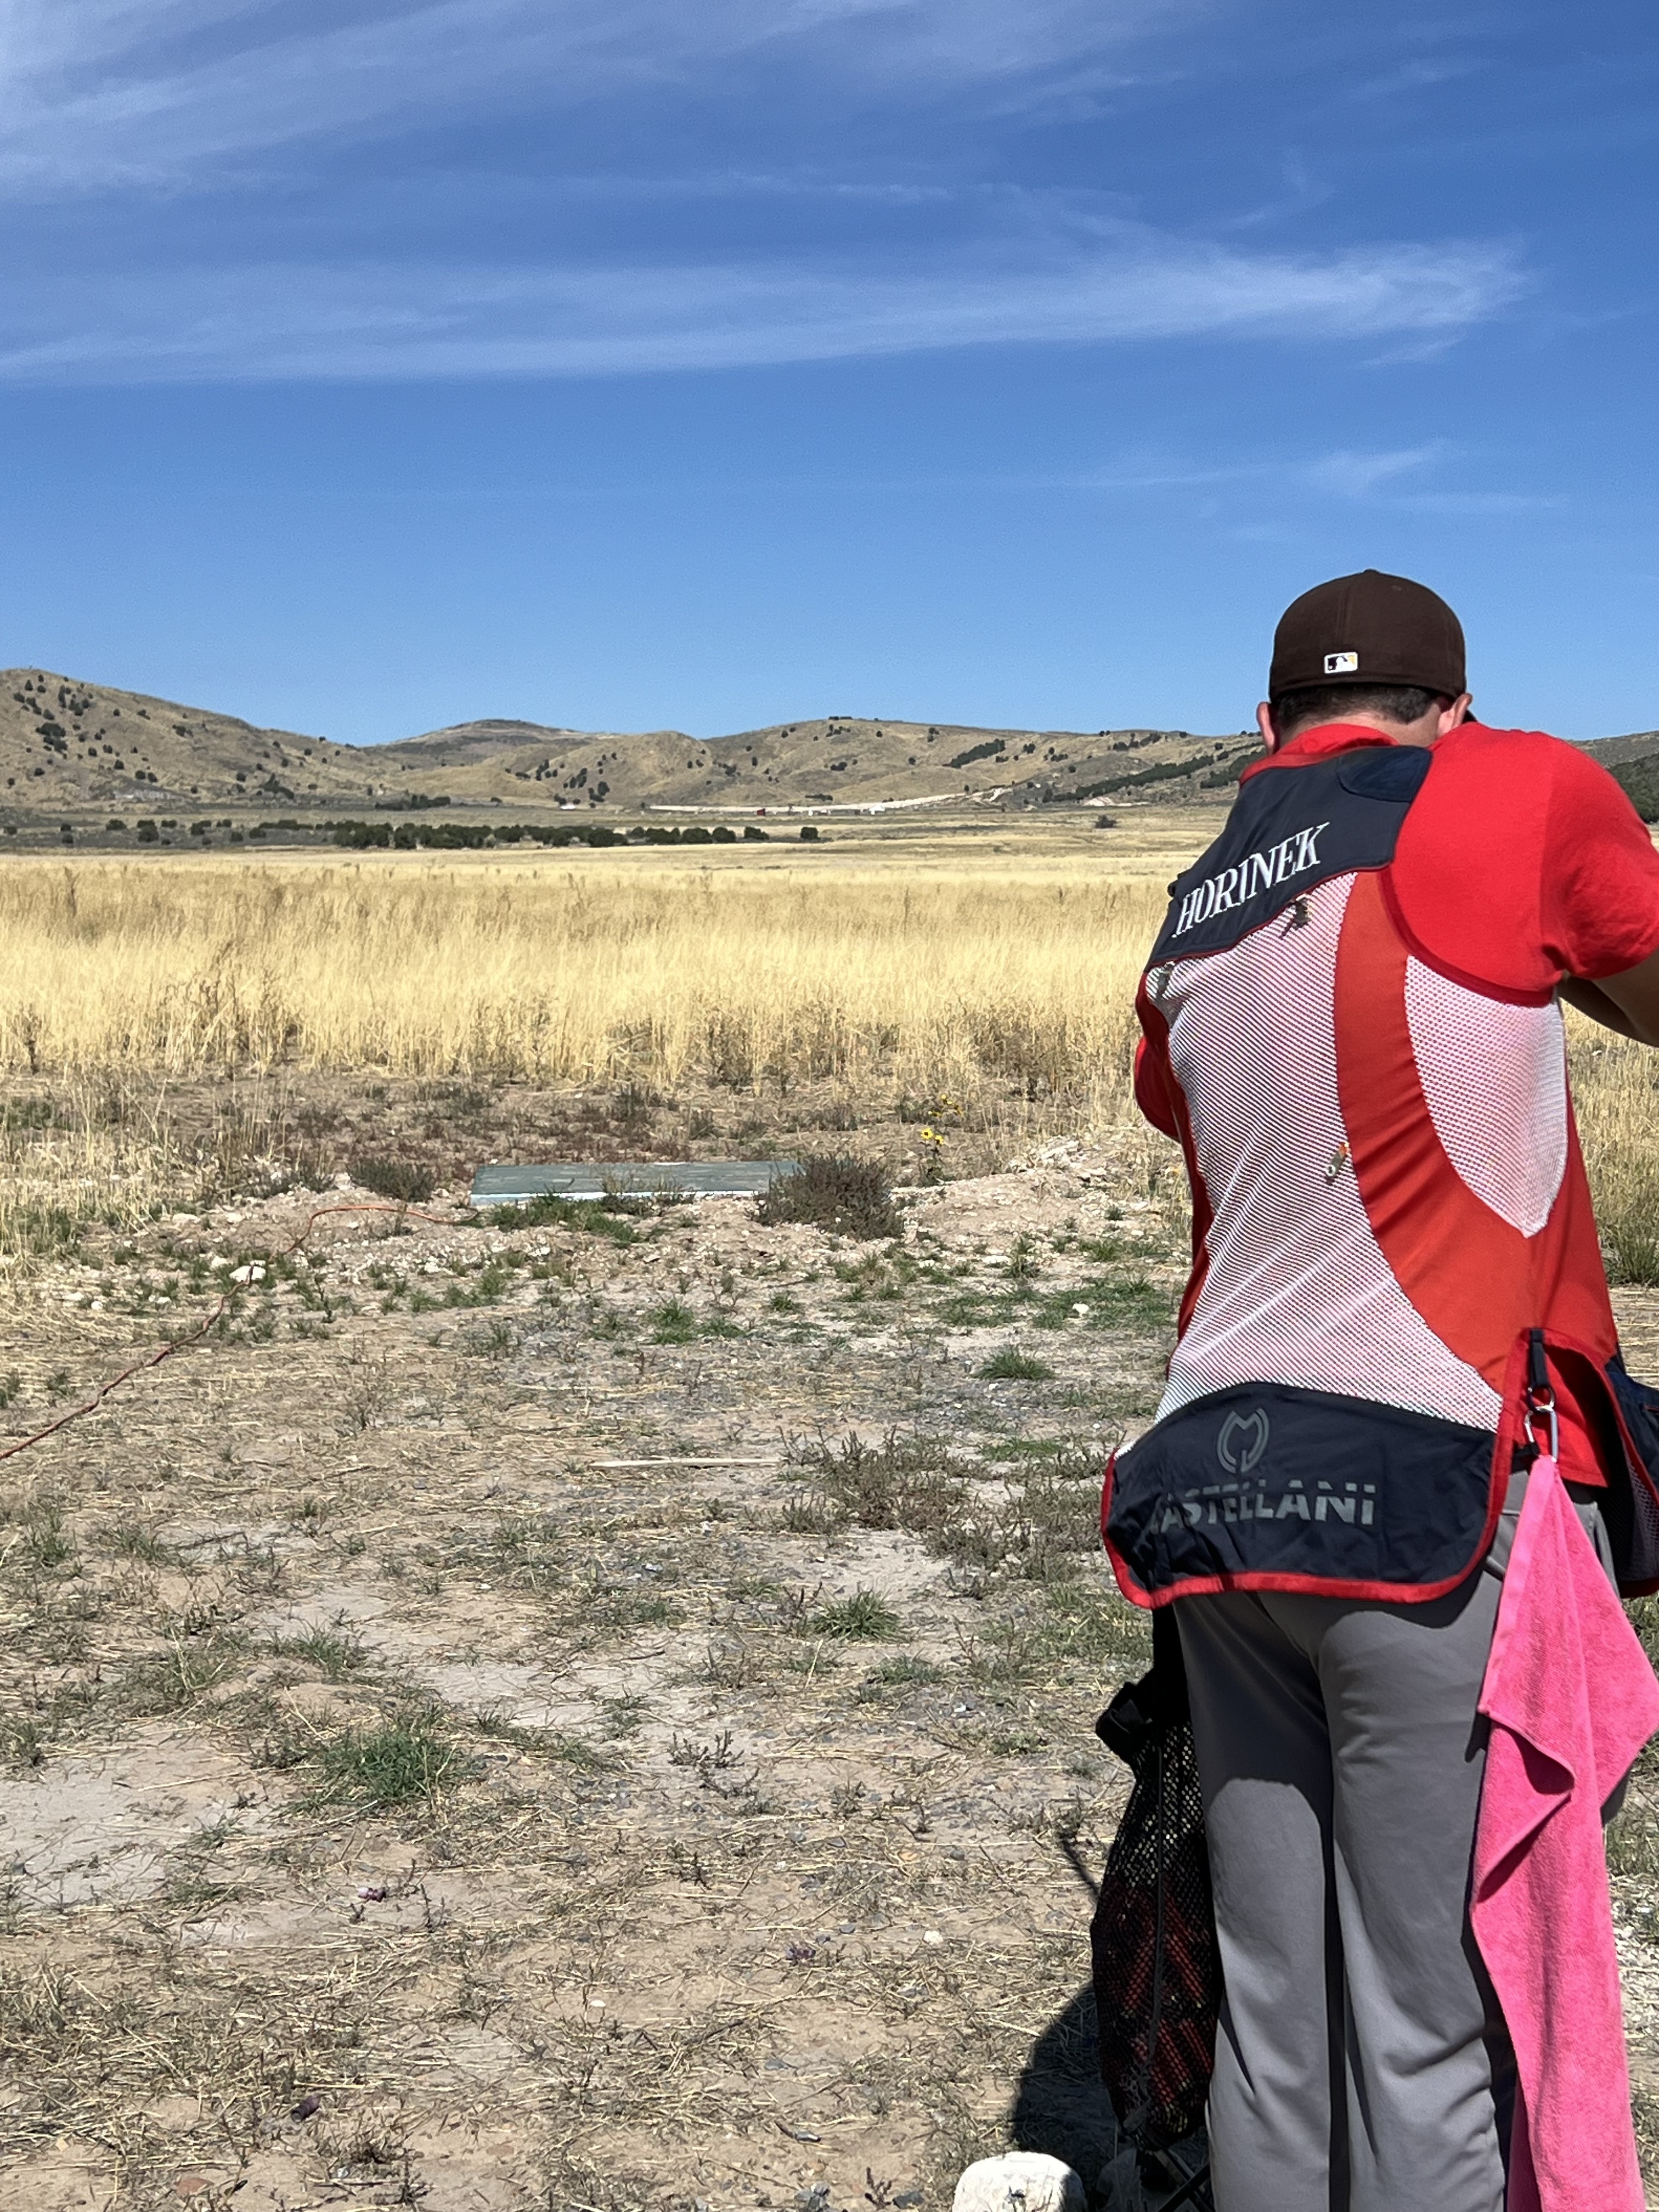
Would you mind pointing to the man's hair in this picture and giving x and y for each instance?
(1335, 702)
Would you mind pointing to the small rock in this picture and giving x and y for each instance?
(1019, 2181)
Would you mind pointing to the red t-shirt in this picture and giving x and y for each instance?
(1521, 862)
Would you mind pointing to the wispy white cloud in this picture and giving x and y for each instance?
(1354, 475)
(296, 321)
(102, 92)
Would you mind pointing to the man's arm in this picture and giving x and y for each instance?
(1627, 1003)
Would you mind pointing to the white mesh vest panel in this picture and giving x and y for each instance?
(1495, 1076)
(1296, 1288)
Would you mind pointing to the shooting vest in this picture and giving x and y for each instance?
(1395, 1261)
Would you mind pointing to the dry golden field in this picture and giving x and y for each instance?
(591, 1711)
(595, 973)
(996, 974)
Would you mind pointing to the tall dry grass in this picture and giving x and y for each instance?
(934, 980)
(1616, 1091)
(555, 975)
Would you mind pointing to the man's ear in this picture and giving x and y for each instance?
(1264, 722)
(1454, 716)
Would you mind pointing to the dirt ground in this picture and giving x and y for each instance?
(579, 1716)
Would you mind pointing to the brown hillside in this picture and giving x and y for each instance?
(66, 746)
(838, 761)
(1612, 752)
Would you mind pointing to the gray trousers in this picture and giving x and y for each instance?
(1362, 2064)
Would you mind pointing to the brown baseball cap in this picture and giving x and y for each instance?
(1368, 628)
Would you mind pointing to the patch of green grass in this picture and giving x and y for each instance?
(23, 1740)
(550, 1743)
(1022, 1262)
(1108, 1302)
(903, 1672)
(496, 1339)
(192, 1893)
(604, 1216)
(1088, 1622)
(638, 1612)
(623, 1715)
(1011, 1365)
(186, 1667)
(1644, 1616)
(336, 1653)
(407, 1759)
(672, 1322)
(525, 1551)
(864, 1618)
(47, 1546)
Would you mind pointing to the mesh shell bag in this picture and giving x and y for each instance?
(1156, 1968)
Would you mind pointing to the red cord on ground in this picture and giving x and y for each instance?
(195, 1336)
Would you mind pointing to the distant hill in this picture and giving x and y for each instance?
(76, 748)
(838, 760)
(69, 745)
(1635, 761)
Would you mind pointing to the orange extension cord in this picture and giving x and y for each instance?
(195, 1336)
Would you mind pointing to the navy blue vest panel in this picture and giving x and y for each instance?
(1266, 1479)
(1630, 1508)
(1290, 829)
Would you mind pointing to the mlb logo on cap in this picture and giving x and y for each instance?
(1341, 664)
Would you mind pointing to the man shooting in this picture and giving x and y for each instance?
(1352, 1029)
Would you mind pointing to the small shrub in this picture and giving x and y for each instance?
(404, 1180)
(909, 1483)
(1009, 1366)
(834, 1191)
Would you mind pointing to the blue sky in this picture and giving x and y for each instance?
(370, 365)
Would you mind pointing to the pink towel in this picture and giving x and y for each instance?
(1571, 1700)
